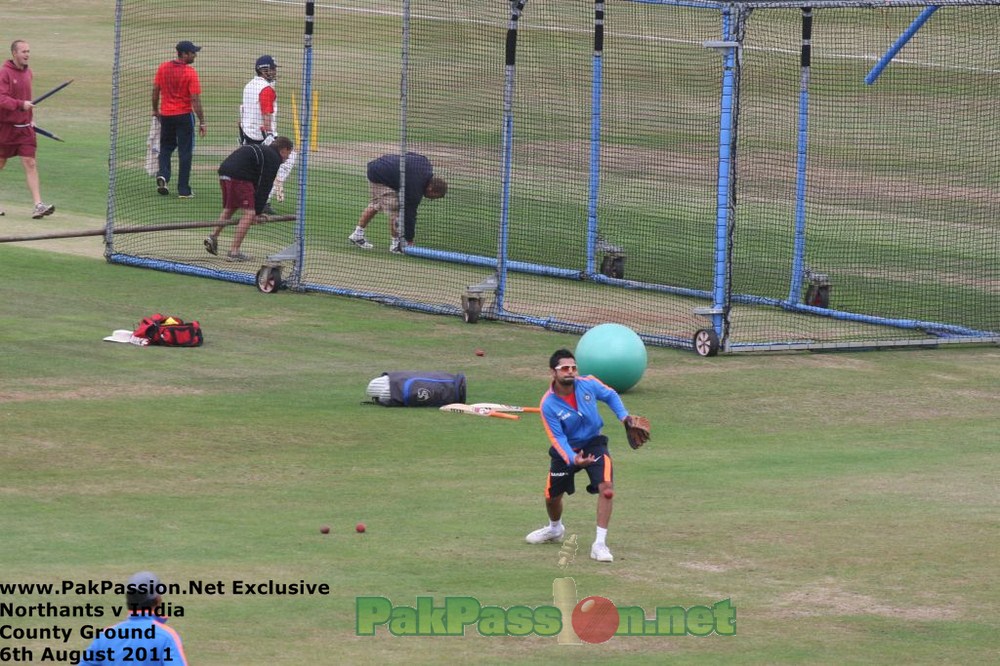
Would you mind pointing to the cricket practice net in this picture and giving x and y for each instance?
(723, 176)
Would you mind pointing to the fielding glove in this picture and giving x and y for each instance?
(637, 430)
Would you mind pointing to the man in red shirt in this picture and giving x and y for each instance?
(17, 132)
(176, 93)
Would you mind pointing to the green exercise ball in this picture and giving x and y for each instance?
(613, 353)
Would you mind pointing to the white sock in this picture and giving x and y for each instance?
(602, 534)
(359, 231)
(555, 524)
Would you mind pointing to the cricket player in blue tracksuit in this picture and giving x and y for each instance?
(573, 426)
(144, 638)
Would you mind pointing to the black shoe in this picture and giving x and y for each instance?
(161, 185)
(268, 210)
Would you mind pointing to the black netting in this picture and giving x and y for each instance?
(899, 192)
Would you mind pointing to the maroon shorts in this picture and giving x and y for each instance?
(20, 150)
(17, 141)
(237, 194)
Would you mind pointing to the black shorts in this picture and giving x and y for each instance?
(246, 141)
(561, 475)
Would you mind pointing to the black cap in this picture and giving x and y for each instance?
(187, 47)
(141, 591)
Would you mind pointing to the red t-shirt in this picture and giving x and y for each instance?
(267, 98)
(177, 83)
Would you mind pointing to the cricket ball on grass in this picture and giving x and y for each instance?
(480, 352)
(325, 529)
(360, 527)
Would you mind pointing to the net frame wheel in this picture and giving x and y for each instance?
(269, 279)
(818, 296)
(706, 342)
(613, 266)
(472, 306)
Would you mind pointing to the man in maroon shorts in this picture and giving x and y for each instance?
(246, 178)
(17, 133)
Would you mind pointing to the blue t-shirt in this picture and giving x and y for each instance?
(568, 429)
(148, 640)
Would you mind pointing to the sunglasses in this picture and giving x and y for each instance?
(566, 367)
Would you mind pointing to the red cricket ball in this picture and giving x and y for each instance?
(595, 619)
(360, 527)
(480, 352)
(325, 529)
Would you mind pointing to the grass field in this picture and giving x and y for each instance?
(845, 503)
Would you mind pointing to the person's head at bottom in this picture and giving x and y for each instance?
(142, 593)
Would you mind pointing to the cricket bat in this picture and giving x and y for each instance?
(500, 407)
(473, 410)
(153, 147)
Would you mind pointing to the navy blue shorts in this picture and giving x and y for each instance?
(561, 475)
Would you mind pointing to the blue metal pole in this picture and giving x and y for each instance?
(899, 44)
(306, 124)
(517, 7)
(597, 83)
(727, 154)
(798, 253)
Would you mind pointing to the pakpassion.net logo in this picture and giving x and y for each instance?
(592, 620)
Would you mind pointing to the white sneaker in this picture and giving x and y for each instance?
(600, 552)
(41, 210)
(547, 533)
(396, 247)
(360, 241)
